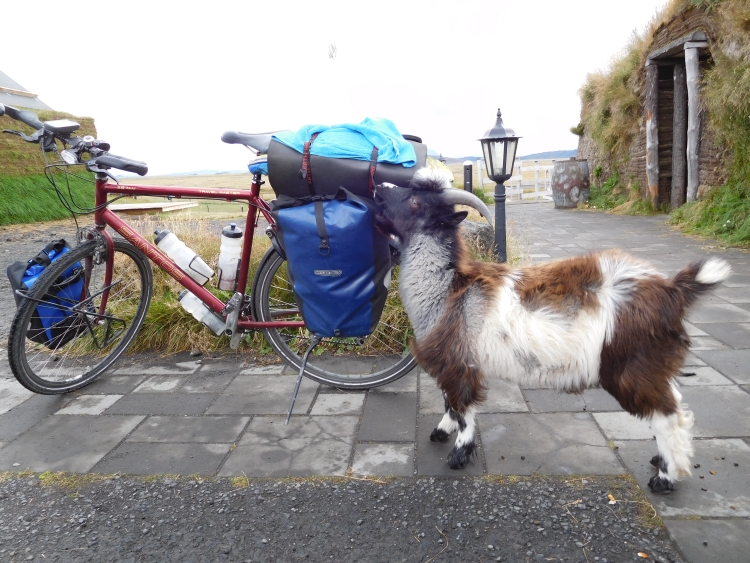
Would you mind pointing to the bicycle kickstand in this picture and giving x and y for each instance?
(315, 341)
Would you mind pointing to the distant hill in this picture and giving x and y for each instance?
(550, 154)
(535, 156)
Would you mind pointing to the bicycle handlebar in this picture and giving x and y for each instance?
(110, 160)
(28, 117)
(48, 132)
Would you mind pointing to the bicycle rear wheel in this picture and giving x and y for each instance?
(87, 342)
(347, 363)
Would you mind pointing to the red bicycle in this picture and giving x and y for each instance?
(117, 275)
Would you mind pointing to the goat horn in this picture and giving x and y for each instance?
(461, 197)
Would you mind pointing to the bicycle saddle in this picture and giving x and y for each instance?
(259, 142)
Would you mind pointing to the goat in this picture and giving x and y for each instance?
(604, 318)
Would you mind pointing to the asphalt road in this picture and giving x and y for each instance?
(129, 520)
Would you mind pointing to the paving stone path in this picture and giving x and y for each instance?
(224, 416)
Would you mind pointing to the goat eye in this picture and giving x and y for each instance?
(413, 203)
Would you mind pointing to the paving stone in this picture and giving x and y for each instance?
(18, 420)
(623, 426)
(114, 384)
(598, 400)
(726, 541)
(503, 396)
(552, 444)
(389, 417)
(339, 403)
(275, 369)
(717, 312)
(430, 397)
(178, 368)
(552, 400)
(736, 335)
(159, 384)
(384, 460)
(231, 365)
(207, 382)
(89, 404)
(194, 429)
(735, 364)
(698, 343)
(163, 403)
(12, 394)
(264, 394)
(135, 458)
(67, 443)
(693, 360)
(405, 384)
(310, 445)
(730, 487)
(720, 411)
(733, 294)
(703, 376)
(432, 456)
(693, 330)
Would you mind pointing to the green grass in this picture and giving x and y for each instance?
(31, 199)
(607, 195)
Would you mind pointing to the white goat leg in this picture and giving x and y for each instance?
(465, 445)
(673, 439)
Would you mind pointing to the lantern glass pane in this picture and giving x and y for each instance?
(498, 164)
(487, 156)
(510, 155)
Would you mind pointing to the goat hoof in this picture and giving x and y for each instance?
(438, 435)
(459, 456)
(660, 485)
(655, 461)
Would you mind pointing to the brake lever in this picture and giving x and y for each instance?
(33, 138)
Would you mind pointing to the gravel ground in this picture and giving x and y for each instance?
(162, 519)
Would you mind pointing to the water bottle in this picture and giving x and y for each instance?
(188, 261)
(229, 256)
(198, 309)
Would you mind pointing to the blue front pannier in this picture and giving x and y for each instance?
(53, 323)
(338, 263)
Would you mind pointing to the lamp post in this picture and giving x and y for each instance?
(499, 147)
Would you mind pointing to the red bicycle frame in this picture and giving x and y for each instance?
(104, 217)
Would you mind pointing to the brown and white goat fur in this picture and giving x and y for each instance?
(604, 318)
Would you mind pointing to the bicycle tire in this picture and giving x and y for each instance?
(382, 359)
(97, 341)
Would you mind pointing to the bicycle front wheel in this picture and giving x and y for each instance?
(347, 363)
(62, 340)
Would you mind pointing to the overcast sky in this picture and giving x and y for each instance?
(164, 79)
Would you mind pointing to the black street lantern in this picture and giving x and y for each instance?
(499, 147)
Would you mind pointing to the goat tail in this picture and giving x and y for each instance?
(701, 277)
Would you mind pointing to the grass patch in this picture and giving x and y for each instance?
(71, 480)
(168, 327)
(31, 199)
(607, 195)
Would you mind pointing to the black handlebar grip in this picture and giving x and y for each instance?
(28, 117)
(122, 163)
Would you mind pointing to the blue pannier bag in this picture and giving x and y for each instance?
(53, 323)
(338, 263)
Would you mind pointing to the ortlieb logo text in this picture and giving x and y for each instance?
(329, 273)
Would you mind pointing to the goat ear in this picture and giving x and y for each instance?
(454, 219)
